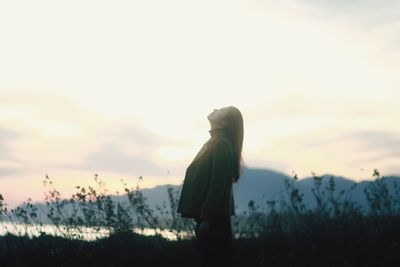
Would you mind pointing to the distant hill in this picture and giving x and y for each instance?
(261, 185)
(255, 184)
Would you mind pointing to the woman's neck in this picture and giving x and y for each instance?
(215, 132)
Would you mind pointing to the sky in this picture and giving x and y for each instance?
(122, 89)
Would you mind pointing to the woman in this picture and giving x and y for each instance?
(207, 195)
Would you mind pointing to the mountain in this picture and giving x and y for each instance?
(261, 185)
(258, 185)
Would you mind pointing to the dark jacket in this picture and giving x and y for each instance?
(207, 187)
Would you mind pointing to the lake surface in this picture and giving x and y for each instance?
(83, 233)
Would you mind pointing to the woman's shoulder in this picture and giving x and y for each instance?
(219, 139)
(221, 142)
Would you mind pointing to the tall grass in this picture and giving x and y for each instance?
(283, 231)
(95, 207)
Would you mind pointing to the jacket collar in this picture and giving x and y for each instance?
(216, 134)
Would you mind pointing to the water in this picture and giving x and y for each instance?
(83, 233)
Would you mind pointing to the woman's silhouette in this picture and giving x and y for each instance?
(207, 195)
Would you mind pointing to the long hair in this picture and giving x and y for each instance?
(234, 131)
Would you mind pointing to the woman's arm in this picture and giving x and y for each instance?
(220, 180)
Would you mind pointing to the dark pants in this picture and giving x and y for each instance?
(215, 248)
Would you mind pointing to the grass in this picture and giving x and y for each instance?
(335, 232)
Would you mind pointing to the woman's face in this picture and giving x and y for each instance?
(217, 116)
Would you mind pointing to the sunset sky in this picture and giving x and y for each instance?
(123, 88)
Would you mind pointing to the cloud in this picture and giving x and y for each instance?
(124, 148)
(7, 134)
(66, 135)
(371, 145)
(43, 105)
(365, 13)
(9, 171)
(368, 12)
(129, 133)
(351, 4)
(387, 143)
(6, 137)
(113, 157)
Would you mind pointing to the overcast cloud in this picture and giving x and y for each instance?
(367, 12)
(125, 88)
(9, 165)
(60, 133)
(384, 144)
(5, 136)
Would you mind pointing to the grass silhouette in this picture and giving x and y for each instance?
(285, 232)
